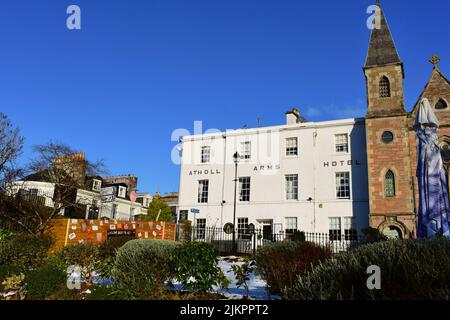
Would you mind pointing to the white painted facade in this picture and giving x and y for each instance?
(316, 164)
(124, 209)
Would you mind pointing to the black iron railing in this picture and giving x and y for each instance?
(249, 241)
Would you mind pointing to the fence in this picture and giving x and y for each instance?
(249, 241)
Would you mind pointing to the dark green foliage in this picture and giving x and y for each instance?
(57, 260)
(196, 266)
(242, 273)
(103, 267)
(5, 235)
(25, 250)
(104, 293)
(109, 247)
(142, 267)
(298, 236)
(7, 270)
(372, 235)
(410, 269)
(280, 263)
(84, 256)
(45, 280)
(107, 255)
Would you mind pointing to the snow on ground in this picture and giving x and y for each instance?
(257, 287)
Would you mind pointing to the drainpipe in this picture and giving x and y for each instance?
(314, 179)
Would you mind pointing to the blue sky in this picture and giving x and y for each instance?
(140, 69)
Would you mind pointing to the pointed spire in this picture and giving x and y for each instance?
(382, 49)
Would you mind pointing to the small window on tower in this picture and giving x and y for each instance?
(440, 105)
(385, 87)
(389, 184)
(387, 137)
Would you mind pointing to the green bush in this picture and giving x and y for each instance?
(410, 269)
(25, 250)
(99, 292)
(372, 235)
(109, 247)
(103, 267)
(7, 270)
(298, 236)
(195, 266)
(281, 262)
(57, 260)
(83, 255)
(45, 280)
(80, 254)
(5, 235)
(142, 267)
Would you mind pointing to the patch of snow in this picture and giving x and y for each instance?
(257, 287)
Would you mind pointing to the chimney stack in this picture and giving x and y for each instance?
(294, 117)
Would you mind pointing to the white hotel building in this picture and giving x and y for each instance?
(307, 176)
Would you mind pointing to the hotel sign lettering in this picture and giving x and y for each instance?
(267, 167)
(341, 163)
(204, 172)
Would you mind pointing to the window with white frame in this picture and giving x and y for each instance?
(122, 192)
(200, 226)
(291, 186)
(291, 147)
(350, 230)
(290, 226)
(96, 185)
(184, 215)
(343, 185)
(203, 186)
(244, 189)
(246, 150)
(206, 154)
(242, 227)
(335, 228)
(341, 143)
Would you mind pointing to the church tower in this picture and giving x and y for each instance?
(391, 196)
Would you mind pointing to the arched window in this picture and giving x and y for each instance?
(389, 184)
(385, 87)
(440, 105)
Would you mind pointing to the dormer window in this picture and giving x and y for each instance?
(440, 105)
(122, 192)
(385, 87)
(96, 185)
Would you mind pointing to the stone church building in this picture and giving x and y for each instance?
(391, 140)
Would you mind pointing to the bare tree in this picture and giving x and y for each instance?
(65, 170)
(11, 146)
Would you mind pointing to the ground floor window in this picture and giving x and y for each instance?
(242, 227)
(290, 226)
(335, 228)
(350, 230)
(200, 228)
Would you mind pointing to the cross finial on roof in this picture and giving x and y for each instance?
(435, 60)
